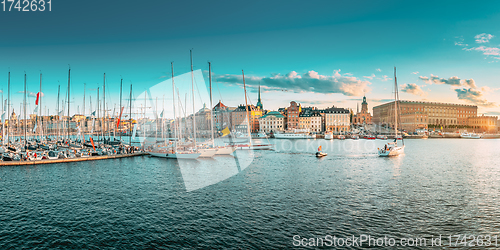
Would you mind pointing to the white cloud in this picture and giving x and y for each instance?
(413, 88)
(384, 78)
(473, 96)
(414, 73)
(370, 77)
(379, 70)
(310, 81)
(483, 38)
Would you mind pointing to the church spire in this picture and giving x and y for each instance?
(259, 102)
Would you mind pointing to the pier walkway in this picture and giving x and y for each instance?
(47, 161)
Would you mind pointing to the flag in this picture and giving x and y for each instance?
(35, 110)
(225, 132)
(319, 148)
(135, 130)
(119, 118)
(61, 114)
(441, 128)
(93, 113)
(92, 141)
(37, 97)
(34, 129)
(161, 114)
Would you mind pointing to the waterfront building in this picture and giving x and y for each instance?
(316, 122)
(305, 121)
(272, 122)
(438, 114)
(239, 118)
(292, 115)
(414, 121)
(363, 117)
(488, 124)
(337, 120)
(222, 116)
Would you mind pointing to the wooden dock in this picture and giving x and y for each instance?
(47, 161)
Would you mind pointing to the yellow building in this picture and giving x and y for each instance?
(489, 124)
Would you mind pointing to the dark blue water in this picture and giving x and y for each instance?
(261, 200)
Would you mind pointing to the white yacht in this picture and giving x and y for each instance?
(296, 134)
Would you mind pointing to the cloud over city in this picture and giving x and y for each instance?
(310, 81)
(465, 89)
(473, 96)
(413, 88)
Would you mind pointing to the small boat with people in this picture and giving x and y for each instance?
(320, 154)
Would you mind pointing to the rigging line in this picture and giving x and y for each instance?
(198, 90)
(217, 85)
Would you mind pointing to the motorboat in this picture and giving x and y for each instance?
(391, 149)
(476, 136)
(321, 154)
(329, 136)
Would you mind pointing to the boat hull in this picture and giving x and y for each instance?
(395, 151)
(225, 150)
(207, 152)
(191, 156)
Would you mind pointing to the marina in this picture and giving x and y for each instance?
(249, 125)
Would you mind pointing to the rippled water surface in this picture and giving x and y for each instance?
(258, 200)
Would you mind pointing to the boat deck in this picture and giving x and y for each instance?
(47, 161)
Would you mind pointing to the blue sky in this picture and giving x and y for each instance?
(319, 53)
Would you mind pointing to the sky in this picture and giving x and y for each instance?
(318, 53)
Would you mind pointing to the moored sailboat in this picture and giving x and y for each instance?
(392, 148)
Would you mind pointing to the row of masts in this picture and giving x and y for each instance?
(177, 130)
(39, 126)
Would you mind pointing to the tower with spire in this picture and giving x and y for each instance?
(259, 102)
(364, 105)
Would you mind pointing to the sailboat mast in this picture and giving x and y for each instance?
(173, 102)
(8, 110)
(192, 88)
(246, 108)
(25, 120)
(58, 118)
(69, 77)
(395, 104)
(156, 125)
(211, 107)
(121, 85)
(3, 121)
(82, 122)
(130, 114)
(40, 110)
(98, 115)
(104, 105)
